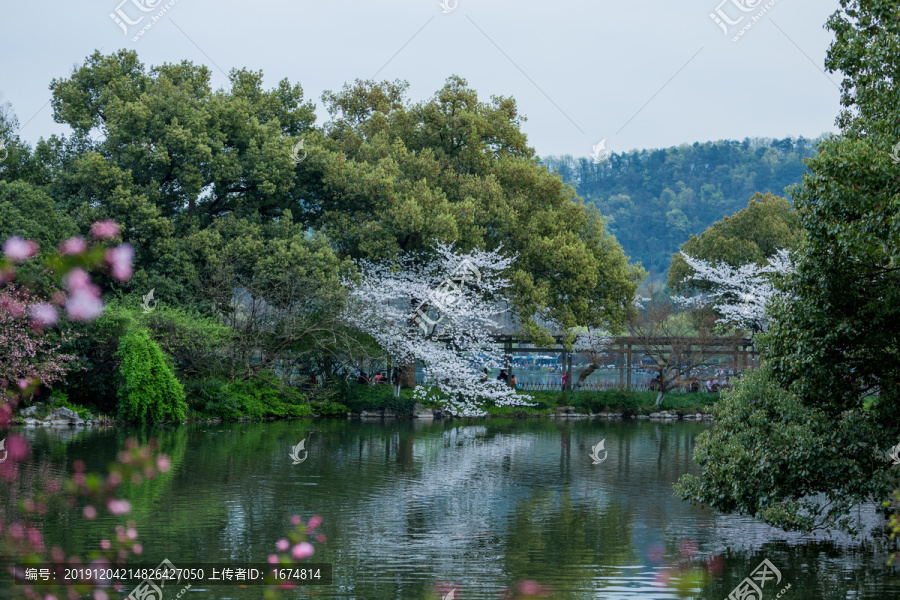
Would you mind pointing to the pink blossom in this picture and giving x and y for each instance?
(321, 538)
(17, 250)
(17, 448)
(137, 549)
(90, 513)
(163, 463)
(273, 559)
(443, 589)
(655, 553)
(100, 595)
(44, 314)
(77, 279)
(715, 563)
(34, 536)
(105, 229)
(313, 523)
(119, 507)
(282, 545)
(131, 534)
(303, 550)
(119, 260)
(73, 245)
(687, 548)
(663, 576)
(529, 587)
(295, 520)
(15, 531)
(84, 305)
(105, 544)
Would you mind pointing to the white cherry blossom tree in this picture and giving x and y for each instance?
(741, 295)
(441, 312)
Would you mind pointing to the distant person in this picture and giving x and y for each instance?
(485, 375)
(565, 380)
(395, 380)
(709, 385)
(363, 379)
(512, 382)
(695, 386)
(503, 376)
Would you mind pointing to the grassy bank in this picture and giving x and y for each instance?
(248, 402)
(378, 398)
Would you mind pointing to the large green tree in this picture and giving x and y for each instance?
(397, 177)
(162, 152)
(805, 439)
(837, 337)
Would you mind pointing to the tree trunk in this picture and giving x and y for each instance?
(587, 372)
(408, 374)
(659, 398)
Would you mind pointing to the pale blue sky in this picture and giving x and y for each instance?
(641, 74)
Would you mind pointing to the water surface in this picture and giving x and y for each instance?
(479, 503)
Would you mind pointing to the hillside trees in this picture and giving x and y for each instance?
(654, 199)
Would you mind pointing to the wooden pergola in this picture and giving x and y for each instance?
(625, 349)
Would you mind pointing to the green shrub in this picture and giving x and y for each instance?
(59, 399)
(254, 399)
(148, 390)
(772, 457)
(358, 398)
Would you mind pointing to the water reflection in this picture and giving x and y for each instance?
(482, 504)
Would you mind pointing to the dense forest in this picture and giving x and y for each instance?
(655, 199)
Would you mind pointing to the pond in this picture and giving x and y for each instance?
(483, 504)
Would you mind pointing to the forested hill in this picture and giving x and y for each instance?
(654, 199)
